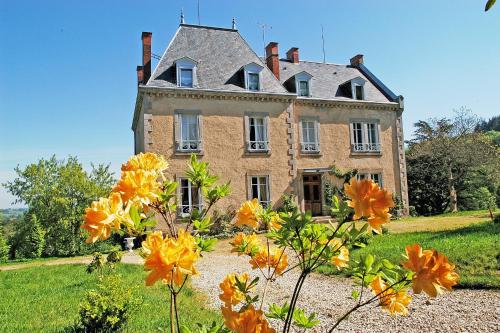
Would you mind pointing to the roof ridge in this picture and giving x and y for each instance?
(206, 27)
(315, 62)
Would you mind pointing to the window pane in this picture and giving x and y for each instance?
(189, 127)
(186, 77)
(358, 133)
(253, 81)
(184, 192)
(195, 197)
(307, 194)
(263, 190)
(372, 133)
(359, 92)
(303, 88)
(257, 130)
(316, 192)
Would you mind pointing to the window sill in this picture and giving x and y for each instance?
(258, 152)
(311, 153)
(188, 152)
(366, 153)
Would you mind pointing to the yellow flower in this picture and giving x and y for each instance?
(138, 186)
(243, 244)
(370, 201)
(341, 259)
(278, 260)
(103, 216)
(231, 295)
(433, 272)
(247, 321)
(275, 222)
(390, 300)
(146, 162)
(169, 259)
(248, 213)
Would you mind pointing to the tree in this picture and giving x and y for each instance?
(57, 192)
(455, 147)
(4, 247)
(30, 239)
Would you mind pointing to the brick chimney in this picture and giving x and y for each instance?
(146, 56)
(272, 58)
(357, 60)
(140, 75)
(293, 55)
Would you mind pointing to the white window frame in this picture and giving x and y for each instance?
(370, 175)
(186, 63)
(301, 77)
(258, 184)
(358, 82)
(257, 146)
(366, 144)
(252, 68)
(185, 210)
(309, 145)
(187, 146)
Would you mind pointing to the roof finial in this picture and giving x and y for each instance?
(234, 23)
(182, 16)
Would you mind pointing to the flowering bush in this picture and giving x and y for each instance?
(292, 242)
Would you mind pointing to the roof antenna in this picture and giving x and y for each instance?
(264, 26)
(182, 16)
(323, 39)
(199, 13)
(234, 24)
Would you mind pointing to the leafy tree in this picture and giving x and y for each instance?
(57, 192)
(450, 150)
(493, 124)
(4, 247)
(30, 240)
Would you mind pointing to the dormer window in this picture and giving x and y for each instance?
(252, 76)
(358, 88)
(186, 72)
(302, 84)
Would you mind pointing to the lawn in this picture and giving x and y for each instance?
(475, 249)
(45, 299)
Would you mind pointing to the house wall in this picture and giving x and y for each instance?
(335, 144)
(223, 135)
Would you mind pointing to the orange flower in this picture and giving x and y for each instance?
(247, 321)
(169, 259)
(247, 214)
(433, 272)
(138, 186)
(147, 162)
(341, 259)
(231, 295)
(103, 216)
(243, 244)
(370, 201)
(390, 300)
(275, 222)
(278, 260)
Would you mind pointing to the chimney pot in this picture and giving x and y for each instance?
(272, 58)
(357, 60)
(293, 55)
(146, 55)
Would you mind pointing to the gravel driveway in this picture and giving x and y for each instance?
(460, 311)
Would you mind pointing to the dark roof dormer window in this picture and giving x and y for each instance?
(354, 88)
(186, 72)
(303, 84)
(252, 76)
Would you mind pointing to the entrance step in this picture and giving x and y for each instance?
(322, 219)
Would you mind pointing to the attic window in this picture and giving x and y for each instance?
(359, 92)
(252, 76)
(358, 88)
(303, 83)
(186, 72)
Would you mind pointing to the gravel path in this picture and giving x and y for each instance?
(460, 311)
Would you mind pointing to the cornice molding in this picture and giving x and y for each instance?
(366, 105)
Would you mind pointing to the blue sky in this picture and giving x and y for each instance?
(68, 80)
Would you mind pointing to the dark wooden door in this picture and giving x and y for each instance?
(312, 194)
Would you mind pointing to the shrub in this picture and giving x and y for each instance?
(288, 203)
(412, 211)
(496, 219)
(4, 247)
(31, 238)
(222, 222)
(477, 198)
(107, 308)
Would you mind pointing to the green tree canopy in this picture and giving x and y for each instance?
(57, 192)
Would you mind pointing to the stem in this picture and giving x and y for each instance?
(295, 296)
(176, 312)
(264, 294)
(172, 327)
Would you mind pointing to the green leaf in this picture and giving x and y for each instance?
(134, 214)
(368, 262)
(489, 4)
(355, 294)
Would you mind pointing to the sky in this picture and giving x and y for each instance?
(68, 79)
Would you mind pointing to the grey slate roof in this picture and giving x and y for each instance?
(220, 53)
(326, 79)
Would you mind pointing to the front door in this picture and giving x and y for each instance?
(312, 194)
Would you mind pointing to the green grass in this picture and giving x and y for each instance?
(474, 249)
(45, 299)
